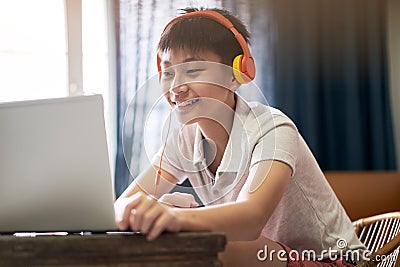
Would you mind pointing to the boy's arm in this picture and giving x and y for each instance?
(243, 220)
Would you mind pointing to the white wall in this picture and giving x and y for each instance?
(394, 65)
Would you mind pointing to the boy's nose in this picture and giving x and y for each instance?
(176, 90)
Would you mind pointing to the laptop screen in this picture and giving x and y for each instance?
(54, 166)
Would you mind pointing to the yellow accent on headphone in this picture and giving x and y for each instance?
(236, 69)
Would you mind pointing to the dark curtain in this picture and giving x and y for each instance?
(136, 27)
(131, 50)
(324, 64)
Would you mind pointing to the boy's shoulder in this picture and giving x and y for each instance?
(266, 116)
(258, 110)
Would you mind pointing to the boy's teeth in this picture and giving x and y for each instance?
(187, 102)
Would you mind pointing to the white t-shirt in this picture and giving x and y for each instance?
(309, 215)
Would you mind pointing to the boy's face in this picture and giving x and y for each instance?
(196, 85)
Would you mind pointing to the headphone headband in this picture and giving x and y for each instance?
(244, 66)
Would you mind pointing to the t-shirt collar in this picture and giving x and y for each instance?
(233, 153)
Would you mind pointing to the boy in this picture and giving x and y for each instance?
(254, 173)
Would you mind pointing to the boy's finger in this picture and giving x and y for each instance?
(128, 205)
(151, 217)
(158, 227)
(141, 210)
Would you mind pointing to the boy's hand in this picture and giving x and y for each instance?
(180, 200)
(145, 214)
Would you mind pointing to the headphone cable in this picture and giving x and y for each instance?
(158, 176)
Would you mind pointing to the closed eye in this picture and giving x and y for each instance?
(193, 71)
(167, 74)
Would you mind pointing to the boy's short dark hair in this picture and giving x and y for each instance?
(201, 33)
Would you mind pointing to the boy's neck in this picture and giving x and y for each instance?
(218, 128)
(218, 131)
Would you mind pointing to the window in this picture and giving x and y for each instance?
(33, 61)
(36, 62)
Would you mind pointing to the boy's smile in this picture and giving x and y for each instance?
(185, 105)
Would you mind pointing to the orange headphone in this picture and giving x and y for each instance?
(244, 68)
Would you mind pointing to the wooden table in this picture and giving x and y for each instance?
(170, 249)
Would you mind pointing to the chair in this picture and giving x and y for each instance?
(381, 236)
(379, 191)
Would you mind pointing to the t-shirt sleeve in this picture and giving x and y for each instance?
(279, 140)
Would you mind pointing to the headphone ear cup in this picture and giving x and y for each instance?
(159, 67)
(237, 69)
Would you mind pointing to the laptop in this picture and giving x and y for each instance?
(54, 166)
